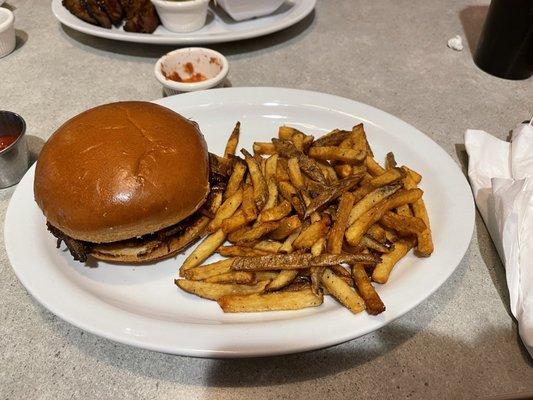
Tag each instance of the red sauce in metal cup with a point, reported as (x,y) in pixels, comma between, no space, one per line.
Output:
(6,141)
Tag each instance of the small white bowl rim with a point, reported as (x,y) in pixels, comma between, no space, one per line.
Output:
(188,87)
(179,5)
(10,19)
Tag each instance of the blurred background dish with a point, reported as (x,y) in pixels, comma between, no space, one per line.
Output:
(7,32)
(241,10)
(219,26)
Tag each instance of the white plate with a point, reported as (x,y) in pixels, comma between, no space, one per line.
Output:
(219,28)
(140,306)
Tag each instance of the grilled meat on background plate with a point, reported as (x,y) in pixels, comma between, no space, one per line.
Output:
(141,16)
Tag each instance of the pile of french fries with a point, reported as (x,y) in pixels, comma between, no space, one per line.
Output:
(306,217)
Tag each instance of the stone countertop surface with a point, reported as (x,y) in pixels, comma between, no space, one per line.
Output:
(462,342)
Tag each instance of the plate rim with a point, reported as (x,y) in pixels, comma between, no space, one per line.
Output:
(332,340)
(81,26)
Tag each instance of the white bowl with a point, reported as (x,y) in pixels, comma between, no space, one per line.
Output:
(7,32)
(240,10)
(182,16)
(211,64)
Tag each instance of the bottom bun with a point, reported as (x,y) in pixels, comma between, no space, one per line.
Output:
(152,249)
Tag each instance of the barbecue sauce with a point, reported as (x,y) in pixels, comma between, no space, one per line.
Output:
(6,141)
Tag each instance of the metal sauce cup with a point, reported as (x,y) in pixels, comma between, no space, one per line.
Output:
(14,158)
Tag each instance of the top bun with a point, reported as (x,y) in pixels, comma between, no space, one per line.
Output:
(122,170)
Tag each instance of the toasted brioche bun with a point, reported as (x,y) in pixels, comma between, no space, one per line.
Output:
(120,171)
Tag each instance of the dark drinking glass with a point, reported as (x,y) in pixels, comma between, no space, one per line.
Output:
(505,47)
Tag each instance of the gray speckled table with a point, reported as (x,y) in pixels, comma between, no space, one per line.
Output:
(460,343)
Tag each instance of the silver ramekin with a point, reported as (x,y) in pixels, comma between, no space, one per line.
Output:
(13,159)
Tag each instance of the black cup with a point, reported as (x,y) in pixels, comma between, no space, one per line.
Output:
(505,47)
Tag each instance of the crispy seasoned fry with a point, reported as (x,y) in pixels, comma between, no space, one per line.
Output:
(286,226)
(415,176)
(358,139)
(377,233)
(295,174)
(206,271)
(270,246)
(240,251)
(284,300)
(264,148)
(272,262)
(284,278)
(234,223)
(308,141)
(248,205)
(213,291)
(240,277)
(286,132)
(390,161)
(286,247)
(316,272)
(226,210)
(336,234)
(339,270)
(333,138)
(233,141)
(374,305)
(207,247)
(371,243)
(331,193)
(289,193)
(327,260)
(370,200)
(265,275)
(235,179)
(348,156)
(282,171)
(329,172)
(356,231)
(373,167)
(271,165)
(311,168)
(388,261)
(343,170)
(391,176)
(219,165)
(275,213)
(258,231)
(424,246)
(404,225)
(345,294)
(258,180)
(312,233)
(298,140)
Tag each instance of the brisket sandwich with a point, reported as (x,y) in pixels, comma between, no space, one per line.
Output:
(126,182)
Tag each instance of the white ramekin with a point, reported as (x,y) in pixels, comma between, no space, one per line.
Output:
(182,16)
(209,63)
(7,32)
(240,10)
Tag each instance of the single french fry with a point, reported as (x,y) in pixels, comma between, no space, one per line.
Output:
(248,205)
(390,161)
(339,270)
(377,233)
(213,291)
(374,304)
(289,193)
(404,225)
(329,194)
(370,200)
(348,156)
(275,213)
(371,243)
(205,249)
(295,174)
(415,176)
(236,236)
(271,165)
(265,275)
(270,246)
(383,270)
(387,178)
(235,179)
(258,231)
(258,180)
(206,271)
(233,141)
(358,138)
(240,251)
(264,148)
(234,223)
(312,233)
(336,234)
(284,278)
(282,170)
(316,272)
(272,262)
(286,226)
(327,260)
(333,138)
(226,210)
(356,231)
(286,132)
(308,141)
(275,301)
(239,277)
(373,167)
(424,247)
(343,170)
(298,140)
(345,294)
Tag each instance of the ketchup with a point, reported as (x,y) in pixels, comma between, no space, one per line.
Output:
(6,141)
(189,69)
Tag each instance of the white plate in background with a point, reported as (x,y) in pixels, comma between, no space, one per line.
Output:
(141,306)
(219,28)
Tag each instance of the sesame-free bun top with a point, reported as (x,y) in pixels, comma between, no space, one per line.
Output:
(122,170)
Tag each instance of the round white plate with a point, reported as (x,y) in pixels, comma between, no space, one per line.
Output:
(140,306)
(219,28)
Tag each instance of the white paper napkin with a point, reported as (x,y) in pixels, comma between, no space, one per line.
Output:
(501,176)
